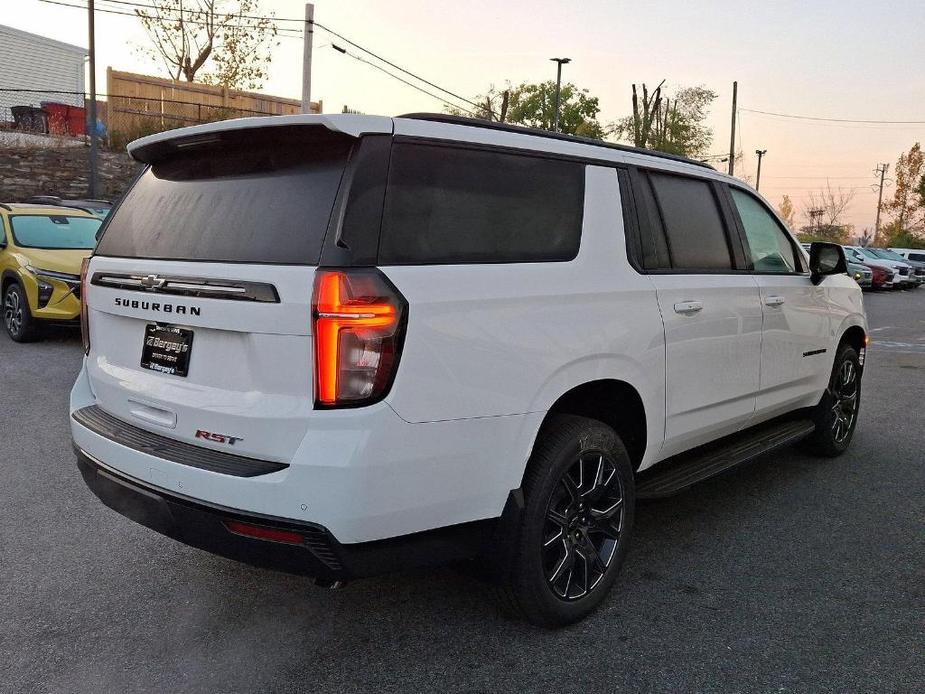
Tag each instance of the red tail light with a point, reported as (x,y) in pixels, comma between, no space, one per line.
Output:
(359,320)
(84,317)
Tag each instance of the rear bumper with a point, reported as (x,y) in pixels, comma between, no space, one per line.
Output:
(202,525)
(365,474)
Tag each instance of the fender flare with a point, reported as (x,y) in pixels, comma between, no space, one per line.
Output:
(611,367)
(9,274)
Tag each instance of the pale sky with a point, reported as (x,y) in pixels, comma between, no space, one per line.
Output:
(834,58)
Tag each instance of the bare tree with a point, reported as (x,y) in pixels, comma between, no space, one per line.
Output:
(823,210)
(832,202)
(232,37)
(648,116)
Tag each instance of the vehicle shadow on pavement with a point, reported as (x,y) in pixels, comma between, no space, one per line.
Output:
(701,569)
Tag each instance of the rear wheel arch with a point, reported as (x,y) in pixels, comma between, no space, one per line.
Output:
(616,403)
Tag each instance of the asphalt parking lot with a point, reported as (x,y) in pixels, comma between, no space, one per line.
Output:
(789,575)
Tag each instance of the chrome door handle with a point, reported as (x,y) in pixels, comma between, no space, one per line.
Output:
(773,301)
(688,307)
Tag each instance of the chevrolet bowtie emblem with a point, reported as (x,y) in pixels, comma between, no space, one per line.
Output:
(153,282)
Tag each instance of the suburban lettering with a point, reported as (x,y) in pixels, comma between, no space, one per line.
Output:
(179,309)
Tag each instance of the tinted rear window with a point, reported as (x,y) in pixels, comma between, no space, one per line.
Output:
(263,202)
(693,223)
(453,205)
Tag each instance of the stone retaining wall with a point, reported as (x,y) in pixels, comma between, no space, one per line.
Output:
(61,171)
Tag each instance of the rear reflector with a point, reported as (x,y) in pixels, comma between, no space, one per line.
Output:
(261,532)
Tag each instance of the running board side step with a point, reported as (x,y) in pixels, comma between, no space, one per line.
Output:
(677,474)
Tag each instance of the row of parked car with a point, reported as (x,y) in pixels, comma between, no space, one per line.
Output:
(885,268)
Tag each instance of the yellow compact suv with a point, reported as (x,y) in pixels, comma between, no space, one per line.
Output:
(41,250)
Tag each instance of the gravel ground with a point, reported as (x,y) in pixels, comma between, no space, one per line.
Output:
(790,575)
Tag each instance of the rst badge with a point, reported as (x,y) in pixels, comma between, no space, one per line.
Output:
(217,438)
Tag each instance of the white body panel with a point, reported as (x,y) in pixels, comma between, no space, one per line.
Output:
(713,352)
(489,349)
(796,341)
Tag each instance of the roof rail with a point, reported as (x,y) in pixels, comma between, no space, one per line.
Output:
(507,127)
(6,207)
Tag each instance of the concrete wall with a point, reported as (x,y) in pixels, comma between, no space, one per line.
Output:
(26,171)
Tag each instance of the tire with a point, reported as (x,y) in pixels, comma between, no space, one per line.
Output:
(564,553)
(836,415)
(17,318)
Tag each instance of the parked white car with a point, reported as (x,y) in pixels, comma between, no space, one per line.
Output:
(903,277)
(914,254)
(341,345)
(916,258)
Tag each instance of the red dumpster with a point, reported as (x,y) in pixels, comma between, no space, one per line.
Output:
(64,119)
(76,120)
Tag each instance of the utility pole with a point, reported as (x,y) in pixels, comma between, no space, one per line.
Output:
(881,169)
(561,62)
(93,143)
(760,153)
(307,57)
(732,130)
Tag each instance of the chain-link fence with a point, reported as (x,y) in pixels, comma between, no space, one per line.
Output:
(120,118)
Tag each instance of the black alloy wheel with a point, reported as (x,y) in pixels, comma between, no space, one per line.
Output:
(836,415)
(558,557)
(584,520)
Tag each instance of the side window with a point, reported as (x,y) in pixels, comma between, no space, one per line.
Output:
(693,223)
(770,248)
(456,205)
(917,256)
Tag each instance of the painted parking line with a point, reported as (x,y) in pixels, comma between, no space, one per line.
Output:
(892,346)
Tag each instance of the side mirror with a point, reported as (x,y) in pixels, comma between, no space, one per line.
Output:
(826,259)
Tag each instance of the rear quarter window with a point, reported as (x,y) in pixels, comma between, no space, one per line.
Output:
(453,205)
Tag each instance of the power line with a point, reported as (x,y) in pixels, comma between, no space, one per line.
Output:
(243,16)
(298,34)
(330,31)
(835,120)
(398,67)
(814,178)
(189,21)
(400,79)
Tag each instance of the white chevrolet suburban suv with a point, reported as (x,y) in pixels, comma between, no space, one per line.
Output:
(344,345)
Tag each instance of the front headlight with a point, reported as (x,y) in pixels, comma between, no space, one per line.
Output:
(52,274)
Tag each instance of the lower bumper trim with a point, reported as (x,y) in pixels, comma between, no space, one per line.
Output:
(202,524)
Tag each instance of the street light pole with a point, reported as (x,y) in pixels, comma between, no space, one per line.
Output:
(760,153)
(560,62)
(92,119)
